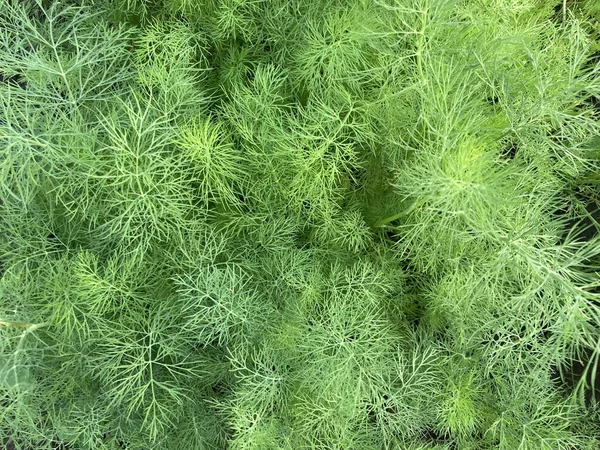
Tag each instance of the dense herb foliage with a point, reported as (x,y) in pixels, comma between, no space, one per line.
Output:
(299,224)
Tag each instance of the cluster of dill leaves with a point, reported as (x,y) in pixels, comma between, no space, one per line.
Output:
(299,224)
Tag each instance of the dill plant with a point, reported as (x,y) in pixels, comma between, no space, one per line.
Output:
(277,224)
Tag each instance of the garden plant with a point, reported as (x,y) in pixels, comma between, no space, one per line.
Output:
(300,224)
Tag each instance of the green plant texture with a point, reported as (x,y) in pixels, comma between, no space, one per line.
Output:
(300,224)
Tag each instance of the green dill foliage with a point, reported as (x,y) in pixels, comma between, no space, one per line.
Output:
(299,224)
